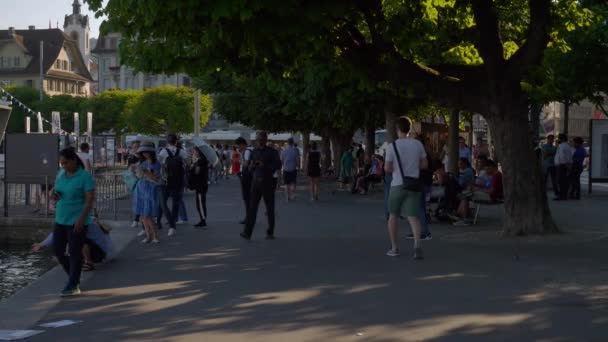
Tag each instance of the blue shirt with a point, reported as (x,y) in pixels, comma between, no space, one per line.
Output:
(465,152)
(72,190)
(466,177)
(290,158)
(578,157)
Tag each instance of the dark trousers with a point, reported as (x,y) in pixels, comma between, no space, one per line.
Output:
(575,182)
(201,204)
(563,180)
(551,172)
(66,236)
(260,188)
(176,195)
(246,191)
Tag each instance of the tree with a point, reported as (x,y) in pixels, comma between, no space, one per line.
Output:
(163,110)
(29,97)
(471,55)
(109,109)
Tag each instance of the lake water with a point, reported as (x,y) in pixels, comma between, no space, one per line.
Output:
(19,267)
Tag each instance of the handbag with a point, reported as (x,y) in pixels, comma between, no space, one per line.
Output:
(130,180)
(409,183)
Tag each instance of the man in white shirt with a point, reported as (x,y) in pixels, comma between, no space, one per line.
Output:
(563,162)
(172,189)
(404,159)
(85,157)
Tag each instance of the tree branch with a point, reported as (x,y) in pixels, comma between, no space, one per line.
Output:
(490,42)
(531,52)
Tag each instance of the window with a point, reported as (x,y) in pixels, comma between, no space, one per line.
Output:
(106,64)
(58,64)
(101,43)
(72,67)
(86,41)
(17,62)
(74,35)
(1,62)
(65,65)
(29,83)
(113,43)
(8,61)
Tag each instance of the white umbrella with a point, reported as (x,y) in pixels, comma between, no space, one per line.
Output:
(207,150)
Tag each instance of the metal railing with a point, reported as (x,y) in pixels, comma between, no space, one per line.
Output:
(113,199)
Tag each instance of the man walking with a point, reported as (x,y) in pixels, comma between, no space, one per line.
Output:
(265,161)
(290,158)
(173,160)
(404,159)
(563,163)
(245,174)
(548,151)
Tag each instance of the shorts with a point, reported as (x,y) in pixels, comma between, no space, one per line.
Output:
(290,177)
(97,254)
(403,202)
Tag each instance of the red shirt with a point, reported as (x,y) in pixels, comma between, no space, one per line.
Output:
(496,192)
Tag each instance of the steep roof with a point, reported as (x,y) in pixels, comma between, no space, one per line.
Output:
(54,40)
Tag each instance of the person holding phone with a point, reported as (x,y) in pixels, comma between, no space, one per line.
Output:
(75,195)
(147,204)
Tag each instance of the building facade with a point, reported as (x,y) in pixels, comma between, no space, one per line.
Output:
(112,74)
(63,68)
(579,116)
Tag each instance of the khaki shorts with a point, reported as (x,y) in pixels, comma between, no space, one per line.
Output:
(403,202)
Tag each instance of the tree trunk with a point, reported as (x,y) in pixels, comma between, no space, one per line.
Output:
(567,105)
(453,149)
(535,110)
(526,208)
(391,126)
(325,152)
(340,142)
(305,149)
(370,142)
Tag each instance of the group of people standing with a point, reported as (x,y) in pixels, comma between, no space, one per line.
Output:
(163,175)
(564,164)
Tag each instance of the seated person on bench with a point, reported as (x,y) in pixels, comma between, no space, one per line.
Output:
(492,193)
(374,175)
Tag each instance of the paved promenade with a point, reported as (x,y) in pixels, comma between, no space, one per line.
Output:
(326,278)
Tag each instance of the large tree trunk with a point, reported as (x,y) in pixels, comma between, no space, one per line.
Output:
(535,110)
(391,126)
(340,142)
(526,207)
(305,149)
(370,142)
(325,152)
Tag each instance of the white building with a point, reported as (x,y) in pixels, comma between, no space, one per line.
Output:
(112,74)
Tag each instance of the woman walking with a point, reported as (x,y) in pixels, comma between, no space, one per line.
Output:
(147,203)
(314,171)
(75,194)
(236,161)
(198,180)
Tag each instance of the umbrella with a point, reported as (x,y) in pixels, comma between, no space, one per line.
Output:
(207,150)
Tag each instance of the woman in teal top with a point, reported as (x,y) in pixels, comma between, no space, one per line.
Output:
(346,167)
(75,195)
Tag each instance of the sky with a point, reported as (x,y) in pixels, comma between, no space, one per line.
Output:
(22,13)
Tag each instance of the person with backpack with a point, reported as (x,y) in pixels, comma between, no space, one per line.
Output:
(173,161)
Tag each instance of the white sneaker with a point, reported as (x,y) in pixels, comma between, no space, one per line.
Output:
(181,222)
(155,241)
(146,240)
(141,233)
(134,224)
(393,253)
(171,232)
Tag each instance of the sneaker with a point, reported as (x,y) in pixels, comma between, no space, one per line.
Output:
(453,217)
(141,233)
(134,224)
(393,253)
(181,222)
(68,292)
(410,236)
(201,224)
(418,255)
(171,232)
(462,223)
(426,237)
(146,240)
(155,241)
(245,236)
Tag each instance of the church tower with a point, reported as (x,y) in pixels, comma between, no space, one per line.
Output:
(77,27)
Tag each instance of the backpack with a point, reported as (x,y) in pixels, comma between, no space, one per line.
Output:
(174,169)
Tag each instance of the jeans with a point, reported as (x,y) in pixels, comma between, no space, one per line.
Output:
(261,188)
(422,216)
(183,214)
(164,193)
(66,236)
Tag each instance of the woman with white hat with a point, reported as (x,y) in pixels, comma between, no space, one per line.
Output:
(147,202)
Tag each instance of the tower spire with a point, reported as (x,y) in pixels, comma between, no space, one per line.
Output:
(76,7)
